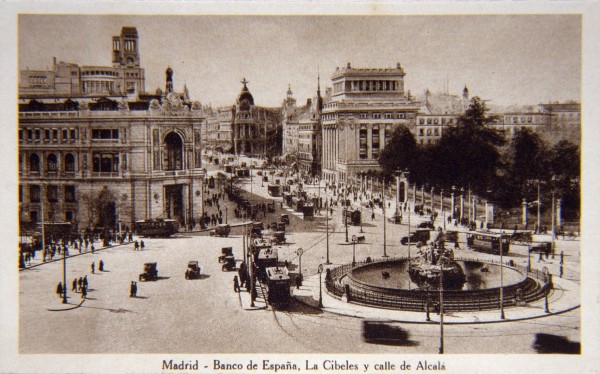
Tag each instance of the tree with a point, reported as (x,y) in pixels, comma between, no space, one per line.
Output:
(565,166)
(400,153)
(468,154)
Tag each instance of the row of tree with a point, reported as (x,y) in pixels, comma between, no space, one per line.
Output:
(472,155)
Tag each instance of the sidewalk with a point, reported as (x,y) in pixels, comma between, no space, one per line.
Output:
(563,298)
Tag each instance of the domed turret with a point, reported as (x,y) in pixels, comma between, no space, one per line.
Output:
(245,99)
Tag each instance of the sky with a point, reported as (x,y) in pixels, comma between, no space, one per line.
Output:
(507,59)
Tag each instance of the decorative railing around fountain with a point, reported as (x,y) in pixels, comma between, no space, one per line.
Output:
(534,286)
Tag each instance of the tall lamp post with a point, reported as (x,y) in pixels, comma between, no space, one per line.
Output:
(226,210)
(441,348)
(501,280)
(327,234)
(320,270)
(299,252)
(354,240)
(64,300)
(384,218)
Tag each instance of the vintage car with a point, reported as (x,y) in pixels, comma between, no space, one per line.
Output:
(193,270)
(419,236)
(222,230)
(150,272)
(278,237)
(225,251)
(228,263)
(285,219)
(426,225)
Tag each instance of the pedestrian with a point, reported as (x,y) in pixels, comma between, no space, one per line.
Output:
(85,282)
(93,266)
(131,289)
(373,216)
(101,266)
(142,245)
(80,283)
(561,257)
(136,246)
(74,285)
(540,257)
(456,246)
(83,293)
(134,289)
(298,282)
(59,289)
(92,247)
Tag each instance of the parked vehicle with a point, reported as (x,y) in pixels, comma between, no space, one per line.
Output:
(419,236)
(222,230)
(278,237)
(358,239)
(228,263)
(426,225)
(273,189)
(193,270)
(150,272)
(225,251)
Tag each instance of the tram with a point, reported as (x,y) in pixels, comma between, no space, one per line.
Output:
(156,227)
(488,242)
(265,256)
(277,281)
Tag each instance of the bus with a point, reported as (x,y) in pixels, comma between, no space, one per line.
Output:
(277,281)
(163,228)
(488,242)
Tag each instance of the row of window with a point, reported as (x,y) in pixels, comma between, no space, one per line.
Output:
(52,193)
(100,72)
(429,132)
(436,121)
(105,134)
(51,163)
(48,134)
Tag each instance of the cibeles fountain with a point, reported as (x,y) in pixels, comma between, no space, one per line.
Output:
(410,284)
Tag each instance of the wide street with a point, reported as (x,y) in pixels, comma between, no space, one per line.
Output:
(175,315)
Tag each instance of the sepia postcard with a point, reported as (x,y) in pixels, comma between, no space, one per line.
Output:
(313,187)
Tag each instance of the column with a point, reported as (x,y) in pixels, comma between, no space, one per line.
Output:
(474,218)
(524,203)
(452,204)
(462,205)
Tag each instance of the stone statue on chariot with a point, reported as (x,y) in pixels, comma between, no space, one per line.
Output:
(434,260)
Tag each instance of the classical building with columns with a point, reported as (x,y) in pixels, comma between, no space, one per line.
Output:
(365,106)
(98,158)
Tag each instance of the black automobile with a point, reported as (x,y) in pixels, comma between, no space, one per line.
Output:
(419,236)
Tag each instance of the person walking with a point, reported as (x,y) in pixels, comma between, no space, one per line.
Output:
(80,283)
(142,245)
(134,289)
(59,289)
(74,285)
(131,289)
(93,266)
(85,282)
(83,293)
(101,266)
(136,246)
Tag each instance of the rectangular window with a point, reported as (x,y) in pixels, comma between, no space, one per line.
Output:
(73,134)
(362,150)
(70,194)
(65,134)
(38,134)
(375,144)
(436,132)
(54,134)
(421,132)
(34,193)
(105,163)
(47,134)
(52,194)
(421,121)
(105,134)
(69,215)
(30,134)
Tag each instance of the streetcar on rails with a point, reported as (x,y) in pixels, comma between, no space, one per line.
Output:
(488,242)
(162,228)
(265,256)
(277,282)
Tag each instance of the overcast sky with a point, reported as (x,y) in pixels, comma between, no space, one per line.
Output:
(524,59)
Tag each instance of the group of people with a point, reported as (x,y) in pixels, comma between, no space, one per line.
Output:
(139,246)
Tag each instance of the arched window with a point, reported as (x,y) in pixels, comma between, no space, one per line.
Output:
(174,152)
(52,162)
(34,163)
(69,162)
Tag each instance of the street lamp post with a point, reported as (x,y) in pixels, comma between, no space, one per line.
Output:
(384,218)
(539,208)
(441,348)
(226,210)
(299,252)
(354,240)
(432,198)
(64,300)
(327,233)
(501,280)
(320,270)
